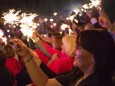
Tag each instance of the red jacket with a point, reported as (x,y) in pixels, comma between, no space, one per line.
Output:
(61,65)
(13,65)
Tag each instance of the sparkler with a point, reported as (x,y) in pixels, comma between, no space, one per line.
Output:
(12,17)
(76,11)
(71,18)
(4,39)
(95,3)
(1,33)
(27,24)
(76,20)
(85,6)
(64,26)
(70,31)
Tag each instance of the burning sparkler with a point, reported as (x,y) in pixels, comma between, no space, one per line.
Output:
(85,6)
(27,24)
(95,3)
(1,33)
(64,26)
(12,17)
(4,39)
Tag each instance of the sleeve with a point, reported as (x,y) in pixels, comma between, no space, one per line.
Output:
(47,71)
(60,67)
(14,66)
(63,79)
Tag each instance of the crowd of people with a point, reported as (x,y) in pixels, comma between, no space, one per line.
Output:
(82,58)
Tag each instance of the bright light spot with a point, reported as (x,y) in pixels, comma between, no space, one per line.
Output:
(55,14)
(85,6)
(51,20)
(95,2)
(64,26)
(46,19)
(54,24)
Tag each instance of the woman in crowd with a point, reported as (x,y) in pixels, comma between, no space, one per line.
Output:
(46,48)
(59,58)
(6,77)
(11,63)
(95,60)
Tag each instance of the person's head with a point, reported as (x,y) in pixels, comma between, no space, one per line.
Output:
(96,48)
(68,44)
(8,51)
(57,41)
(41,19)
(89,26)
(8,79)
(2,58)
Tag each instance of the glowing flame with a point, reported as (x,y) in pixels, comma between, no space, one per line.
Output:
(95,2)
(71,17)
(55,14)
(70,31)
(85,6)
(64,26)
(27,24)
(4,39)
(12,17)
(1,33)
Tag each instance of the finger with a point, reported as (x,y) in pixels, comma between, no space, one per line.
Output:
(101,21)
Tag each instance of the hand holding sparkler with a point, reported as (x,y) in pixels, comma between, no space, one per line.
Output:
(20,48)
(105,23)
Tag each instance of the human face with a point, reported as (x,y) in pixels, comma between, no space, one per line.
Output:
(83,58)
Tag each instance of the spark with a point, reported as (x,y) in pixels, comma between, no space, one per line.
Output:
(12,17)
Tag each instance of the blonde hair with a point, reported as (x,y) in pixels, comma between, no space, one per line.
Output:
(69,41)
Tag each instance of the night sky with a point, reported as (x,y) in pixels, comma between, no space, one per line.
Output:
(47,7)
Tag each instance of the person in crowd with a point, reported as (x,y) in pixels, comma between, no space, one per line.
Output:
(89,26)
(105,23)
(11,63)
(57,41)
(6,76)
(95,62)
(1,43)
(93,17)
(58,58)
(45,51)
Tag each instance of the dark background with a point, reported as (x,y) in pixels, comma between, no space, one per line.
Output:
(47,7)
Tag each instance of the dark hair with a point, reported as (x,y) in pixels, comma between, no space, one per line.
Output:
(58,40)
(102,46)
(8,51)
(2,59)
(7,78)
